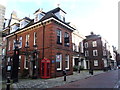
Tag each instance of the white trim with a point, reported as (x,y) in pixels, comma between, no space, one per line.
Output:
(96,63)
(68,57)
(60,61)
(40,23)
(94,52)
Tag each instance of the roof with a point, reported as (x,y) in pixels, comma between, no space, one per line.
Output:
(38,11)
(26,18)
(56,10)
(93,36)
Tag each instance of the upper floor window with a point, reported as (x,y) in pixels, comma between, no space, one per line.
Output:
(86,44)
(59,61)
(13,44)
(35,38)
(94,43)
(20,41)
(9,45)
(86,53)
(27,40)
(104,52)
(67,61)
(95,62)
(81,47)
(66,39)
(95,53)
(59,37)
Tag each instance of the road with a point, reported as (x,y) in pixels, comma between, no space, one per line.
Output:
(105,80)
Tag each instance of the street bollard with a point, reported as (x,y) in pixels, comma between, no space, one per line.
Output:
(91,72)
(8,83)
(64,73)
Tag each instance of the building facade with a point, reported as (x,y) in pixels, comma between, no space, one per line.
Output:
(2,15)
(96,51)
(78,50)
(46,37)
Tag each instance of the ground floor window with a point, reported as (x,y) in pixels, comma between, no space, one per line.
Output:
(59,61)
(95,62)
(67,61)
(26,63)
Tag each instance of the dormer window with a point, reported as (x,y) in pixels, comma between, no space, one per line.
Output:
(61,15)
(38,15)
(24,22)
(14,27)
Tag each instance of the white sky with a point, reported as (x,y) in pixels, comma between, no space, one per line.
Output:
(99,16)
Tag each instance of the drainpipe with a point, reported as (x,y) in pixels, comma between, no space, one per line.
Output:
(43,24)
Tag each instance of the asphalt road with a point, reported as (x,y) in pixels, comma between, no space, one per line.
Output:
(105,80)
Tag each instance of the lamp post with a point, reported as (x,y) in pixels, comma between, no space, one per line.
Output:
(15,61)
(35,64)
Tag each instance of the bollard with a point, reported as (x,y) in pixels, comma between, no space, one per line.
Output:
(8,83)
(64,73)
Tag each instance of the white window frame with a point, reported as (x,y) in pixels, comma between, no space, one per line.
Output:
(94,52)
(35,38)
(86,44)
(9,45)
(20,40)
(104,53)
(25,63)
(94,43)
(60,58)
(96,63)
(59,34)
(27,39)
(67,58)
(13,44)
(86,53)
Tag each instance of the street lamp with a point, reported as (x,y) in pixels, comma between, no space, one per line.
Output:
(15,61)
(34,61)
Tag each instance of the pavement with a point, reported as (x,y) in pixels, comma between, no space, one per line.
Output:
(53,82)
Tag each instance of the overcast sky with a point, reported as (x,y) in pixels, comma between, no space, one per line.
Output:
(99,16)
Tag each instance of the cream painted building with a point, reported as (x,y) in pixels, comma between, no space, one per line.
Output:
(78,52)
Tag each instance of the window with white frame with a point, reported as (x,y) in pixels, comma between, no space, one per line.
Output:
(95,53)
(86,44)
(27,40)
(26,63)
(20,40)
(86,53)
(59,61)
(9,45)
(94,43)
(104,52)
(59,37)
(95,62)
(35,38)
(66,39)
(13,44)
(67,61)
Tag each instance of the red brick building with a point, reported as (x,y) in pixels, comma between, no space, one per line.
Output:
(96,51)
(52,37)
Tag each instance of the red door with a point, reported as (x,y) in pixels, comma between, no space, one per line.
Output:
(45,68)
